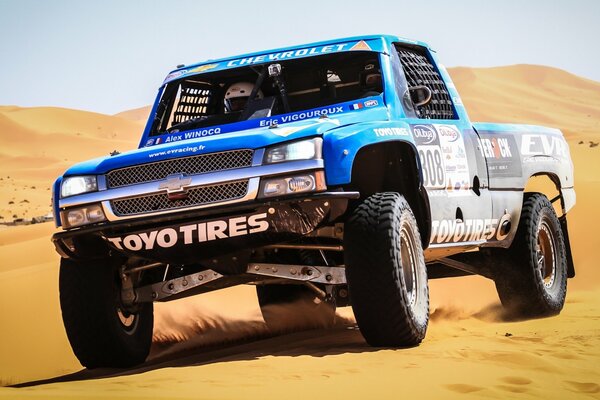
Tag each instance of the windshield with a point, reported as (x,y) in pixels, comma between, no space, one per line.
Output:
(266,90)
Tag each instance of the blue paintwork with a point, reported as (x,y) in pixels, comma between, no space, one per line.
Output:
(348,130)
(345,131)
(245,137)
(515,128)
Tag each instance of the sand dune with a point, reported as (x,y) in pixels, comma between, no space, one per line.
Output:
(217,346)
(531,94)
(139,115)
(40,143)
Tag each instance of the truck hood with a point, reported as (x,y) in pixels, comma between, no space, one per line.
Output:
(245,139)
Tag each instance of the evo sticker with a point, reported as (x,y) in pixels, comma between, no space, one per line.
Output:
(544,145)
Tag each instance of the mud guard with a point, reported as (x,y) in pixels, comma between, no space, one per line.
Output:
(570,264)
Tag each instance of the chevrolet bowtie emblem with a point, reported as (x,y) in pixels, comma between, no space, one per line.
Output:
(175,185)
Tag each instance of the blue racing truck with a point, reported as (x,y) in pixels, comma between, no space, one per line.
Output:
(337,173)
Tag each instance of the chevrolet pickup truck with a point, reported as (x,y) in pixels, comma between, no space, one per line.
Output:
(337,173)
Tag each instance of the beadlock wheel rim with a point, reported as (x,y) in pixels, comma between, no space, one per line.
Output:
(409,261)
(128,321)
(546,254)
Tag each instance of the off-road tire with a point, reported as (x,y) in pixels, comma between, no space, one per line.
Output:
(532,278)
(386,272)
(101,333)
(281,304)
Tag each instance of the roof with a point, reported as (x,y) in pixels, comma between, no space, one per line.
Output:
(378,43)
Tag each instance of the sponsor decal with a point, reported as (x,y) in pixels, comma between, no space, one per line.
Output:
(448,133)
(382,132)
(301,115)
(173,75)
(201,68)
(273,57)
(187,149)
(192,234)
(501,153)
(371,103)
(362,45)
(430,154)
(540,159)
(469,230)
(424,134)
(193,134)
(149,142)
(457,177)
(443,156)
(285,132)
(255,123)
(356,106)
(544,145)
(496,147)
(312,51)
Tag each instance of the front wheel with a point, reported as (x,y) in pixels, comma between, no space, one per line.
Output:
(101,331)
(386,274)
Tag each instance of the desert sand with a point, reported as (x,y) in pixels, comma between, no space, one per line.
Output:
(217,346)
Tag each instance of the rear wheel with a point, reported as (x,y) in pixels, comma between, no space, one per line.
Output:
(289,306)
(386,274)
(533,281)
(102,332)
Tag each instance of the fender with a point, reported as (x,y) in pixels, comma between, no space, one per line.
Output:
(340,146)
(528,150)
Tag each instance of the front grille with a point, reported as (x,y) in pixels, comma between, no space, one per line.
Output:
(187,165)
(197,196)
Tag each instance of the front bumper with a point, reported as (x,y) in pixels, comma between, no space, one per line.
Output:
(191,236)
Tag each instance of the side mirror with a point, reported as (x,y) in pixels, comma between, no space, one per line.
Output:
(420,95)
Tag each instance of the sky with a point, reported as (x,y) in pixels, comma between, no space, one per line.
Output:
(112,55)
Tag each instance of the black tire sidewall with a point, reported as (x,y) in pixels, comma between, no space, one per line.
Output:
(89,297)
(519,282)
(419,313)
(377,286)
(554,296)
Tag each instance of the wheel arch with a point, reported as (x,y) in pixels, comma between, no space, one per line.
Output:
(550,185)
(393,166)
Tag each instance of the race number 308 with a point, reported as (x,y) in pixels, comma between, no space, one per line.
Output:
(432,164)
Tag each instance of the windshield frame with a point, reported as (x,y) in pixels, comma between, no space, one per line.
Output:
(167,96)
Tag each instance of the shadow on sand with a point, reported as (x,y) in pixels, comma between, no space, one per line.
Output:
(317,343)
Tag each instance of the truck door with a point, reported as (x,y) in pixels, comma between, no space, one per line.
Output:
(453,167)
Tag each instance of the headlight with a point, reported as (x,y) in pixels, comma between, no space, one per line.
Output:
(74,185)
(285,185)
(301,150)
(80,216)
